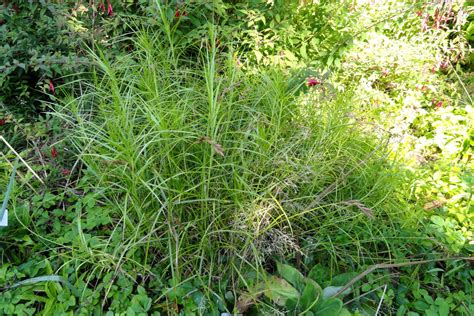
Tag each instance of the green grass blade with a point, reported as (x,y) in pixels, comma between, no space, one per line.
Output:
(46,278)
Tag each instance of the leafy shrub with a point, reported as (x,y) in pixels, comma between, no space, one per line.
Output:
(415,91)
(288,33)
(38,48)
(283,33)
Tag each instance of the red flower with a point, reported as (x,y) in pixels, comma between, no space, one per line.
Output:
(311,82)
(54,152)
(419,13)
(101,7)
(65,171)
(439,104)
(444,64)
(51,86)
(110,10)
(178,13)
(3,122)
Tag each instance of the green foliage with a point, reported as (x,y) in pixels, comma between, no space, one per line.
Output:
(265,33)
(213,144)
(56,220)
(37,46)
(417,93)
(442,288)
(283,33)
(164,125)
(302,295)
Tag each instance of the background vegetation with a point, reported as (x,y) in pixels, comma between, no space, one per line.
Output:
(241,157)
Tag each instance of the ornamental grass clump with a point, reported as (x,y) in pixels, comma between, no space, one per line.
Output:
(210,171)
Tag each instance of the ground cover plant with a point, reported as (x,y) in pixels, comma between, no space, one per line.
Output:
(248,158)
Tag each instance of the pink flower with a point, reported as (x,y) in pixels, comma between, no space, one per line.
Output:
(311,82)
(51,86)
(110,10)
(101,7)
(439,104)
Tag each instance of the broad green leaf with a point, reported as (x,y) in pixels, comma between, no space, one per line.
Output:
(332,290)
(279,291)
(443,306)
(258,55)
(303,51)
(315,43)
(289,55)
(344,312)
(329,307)
(343,279)
(291,304)
(421,305)
(311,294)
(291,275)
(330,60)
(318,273)
(401,310)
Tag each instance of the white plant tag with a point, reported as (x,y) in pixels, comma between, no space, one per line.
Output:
(4,220)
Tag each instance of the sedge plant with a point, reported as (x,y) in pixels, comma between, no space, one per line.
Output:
(210,172)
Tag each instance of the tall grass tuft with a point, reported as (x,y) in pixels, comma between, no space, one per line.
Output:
(211,172)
